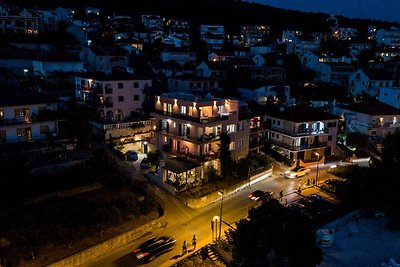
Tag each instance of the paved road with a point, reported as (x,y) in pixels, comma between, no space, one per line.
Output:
(183,222)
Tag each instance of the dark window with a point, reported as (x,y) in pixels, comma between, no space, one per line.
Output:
(120,85)
(135,85)
(136,97)
(278,122)
(121,98)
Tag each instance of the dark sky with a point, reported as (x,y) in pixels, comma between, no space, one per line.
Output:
(373,9)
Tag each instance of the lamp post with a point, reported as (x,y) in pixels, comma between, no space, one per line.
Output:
(317,176)
(220,214)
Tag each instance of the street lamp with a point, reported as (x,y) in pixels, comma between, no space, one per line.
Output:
(220,214)
(317,176)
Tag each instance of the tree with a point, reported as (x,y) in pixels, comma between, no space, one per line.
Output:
(357,140)
(273,234)
(225,156)
(155,158)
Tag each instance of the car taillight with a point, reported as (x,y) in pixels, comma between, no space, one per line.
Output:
(136,250)
(141,255)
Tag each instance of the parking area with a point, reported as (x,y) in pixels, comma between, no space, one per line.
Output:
(317,205)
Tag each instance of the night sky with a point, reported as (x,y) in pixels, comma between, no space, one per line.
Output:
(373,9)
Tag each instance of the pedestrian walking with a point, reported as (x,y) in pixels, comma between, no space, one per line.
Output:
(285,201)
(194,241)
(280,195)
(308,182)
(299,189)
(184,248)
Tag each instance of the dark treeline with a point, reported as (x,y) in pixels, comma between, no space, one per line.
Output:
(231,13)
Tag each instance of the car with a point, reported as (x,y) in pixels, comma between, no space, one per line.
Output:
(260,195)
(145,164)
(297,172)
(132,155)
(154,247)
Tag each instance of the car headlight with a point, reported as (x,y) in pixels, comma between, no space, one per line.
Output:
(287,172)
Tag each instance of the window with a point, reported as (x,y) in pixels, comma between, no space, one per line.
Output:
(273,121)
(20,112)
(169,108)
(183,110)
(120,85)
(135,85)
(44,129)
(165,107)
(1,115)
(278,122)
(329,137)
(230,128)
(121,98)
(21,132)
(136,97)
(273,135)
(277,136)
(232,146)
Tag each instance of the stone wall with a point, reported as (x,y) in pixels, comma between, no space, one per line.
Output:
(108,245)
(196,203)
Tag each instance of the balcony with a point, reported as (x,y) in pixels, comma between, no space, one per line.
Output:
(196,158)
(384,125)
(301,147)
(193,119)
(304,132)
(45,115)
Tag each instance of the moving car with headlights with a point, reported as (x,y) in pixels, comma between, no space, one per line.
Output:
(154,247)
(297,172)
(259,195)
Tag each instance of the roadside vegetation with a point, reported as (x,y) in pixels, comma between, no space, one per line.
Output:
(67,207)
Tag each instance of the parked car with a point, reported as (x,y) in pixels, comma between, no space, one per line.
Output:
(145,164)
(297,172)
(154,247)
(259,195)
(132,155)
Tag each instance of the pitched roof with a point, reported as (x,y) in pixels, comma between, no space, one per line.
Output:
(220,65)
(115,76)
(301,113)
(164,65)
(108,51)
(379,74)
(373,107)
(17,97)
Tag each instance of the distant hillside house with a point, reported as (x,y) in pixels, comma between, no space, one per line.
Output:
(26,116)
(57,63)
(333,72)
(115,97)
(192,84)
(18,21)
(390,96)
(104,58)
(370,81)
(373,118)
(262,92)
(299,131)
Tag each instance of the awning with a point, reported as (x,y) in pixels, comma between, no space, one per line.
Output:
(179,165)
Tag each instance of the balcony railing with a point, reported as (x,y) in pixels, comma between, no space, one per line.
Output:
(301,147)
(196,158)
(384,125)
(47,115)
(193,119)
(299,132)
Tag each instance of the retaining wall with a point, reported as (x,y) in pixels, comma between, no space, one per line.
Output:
(108,245)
